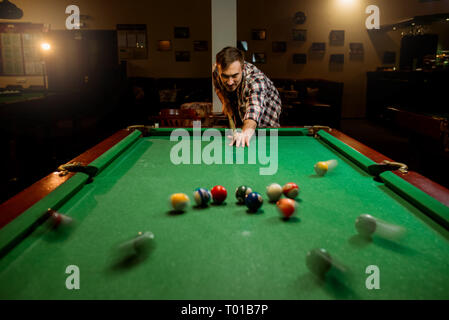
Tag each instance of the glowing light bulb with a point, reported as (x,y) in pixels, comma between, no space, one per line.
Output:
(346,2)
(45,46)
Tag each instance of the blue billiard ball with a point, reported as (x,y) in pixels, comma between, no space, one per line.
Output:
(202,196)
(253,201)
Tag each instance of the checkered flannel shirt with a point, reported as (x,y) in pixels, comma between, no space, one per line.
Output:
(257,97)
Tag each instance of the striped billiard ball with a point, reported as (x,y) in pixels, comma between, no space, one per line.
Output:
(202,196)
(179,201)
(290,190)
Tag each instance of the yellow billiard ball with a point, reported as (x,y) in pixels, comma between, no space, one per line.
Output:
(179,201)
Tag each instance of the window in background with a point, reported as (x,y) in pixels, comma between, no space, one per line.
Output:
(20,52)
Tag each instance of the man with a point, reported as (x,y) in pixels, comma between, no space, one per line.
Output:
(247,95)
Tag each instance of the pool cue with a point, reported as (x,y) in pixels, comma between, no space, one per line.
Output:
(231,123)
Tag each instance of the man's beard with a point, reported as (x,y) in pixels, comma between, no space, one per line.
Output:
(233,87)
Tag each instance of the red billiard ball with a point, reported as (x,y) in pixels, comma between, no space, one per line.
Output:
(286,207)
(219,194)
(291,190)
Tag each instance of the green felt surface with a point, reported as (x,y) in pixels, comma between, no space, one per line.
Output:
(224,252)
(20,97)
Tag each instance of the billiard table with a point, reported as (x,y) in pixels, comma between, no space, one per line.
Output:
(224,251)
(21,97)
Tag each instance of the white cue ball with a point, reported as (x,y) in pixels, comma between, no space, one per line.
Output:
(274,192)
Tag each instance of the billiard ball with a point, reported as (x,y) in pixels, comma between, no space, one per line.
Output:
(286,207)
(365,225)
(241,192)
(179,201)
(136,246)
(274,192)
(290,190)
(253,201)
(219,194)
(57,219)
(322,167)
(319,262)
(202,196)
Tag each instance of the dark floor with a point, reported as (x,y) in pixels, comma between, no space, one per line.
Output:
(419,154)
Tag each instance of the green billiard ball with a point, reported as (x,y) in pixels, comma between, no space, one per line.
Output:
(319,262)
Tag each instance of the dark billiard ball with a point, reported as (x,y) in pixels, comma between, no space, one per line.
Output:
(253,201)
(241,192)
(202,196)
(319,262)
(365,225)
(219,194)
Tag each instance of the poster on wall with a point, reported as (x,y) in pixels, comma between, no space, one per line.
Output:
(356,49)
(299,34)
(132,41)
(164,45)
(337,37)
(259,34)
(259,57)
(242,45)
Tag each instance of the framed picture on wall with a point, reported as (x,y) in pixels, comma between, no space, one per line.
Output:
(337,58)
(299,34)
(299,17)
(337,37)
(318,47)
(259,57)
(242,45)
(131,41)
(182,32)
(279,46)
(164,45)
(182,56)
(200,45)
(356,49)
(299,58)
(259,34)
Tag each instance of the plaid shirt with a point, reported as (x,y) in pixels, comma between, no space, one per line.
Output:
(256,98)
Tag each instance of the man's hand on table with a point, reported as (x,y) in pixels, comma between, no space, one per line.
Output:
(242,139)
